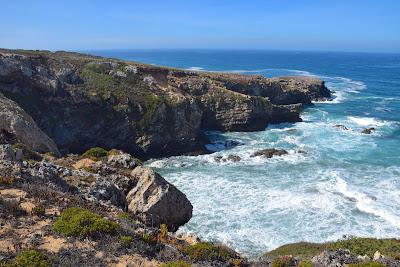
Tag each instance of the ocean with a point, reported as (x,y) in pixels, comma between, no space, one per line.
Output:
(347,183)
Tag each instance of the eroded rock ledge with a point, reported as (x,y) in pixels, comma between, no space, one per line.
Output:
(82,101)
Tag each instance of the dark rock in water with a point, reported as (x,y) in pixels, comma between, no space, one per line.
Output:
(342,127)
(233,158)
(334,258)
(270,152)
(230,157)
(300,151)
(218,158)
(368,130)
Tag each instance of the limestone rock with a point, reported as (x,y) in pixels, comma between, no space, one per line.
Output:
(106,191)
(334,258)
(15,121)
(123,160)
(8,153)
(156,201)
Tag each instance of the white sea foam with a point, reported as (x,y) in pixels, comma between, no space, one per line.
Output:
(365,121)
(365,203)
(196,69)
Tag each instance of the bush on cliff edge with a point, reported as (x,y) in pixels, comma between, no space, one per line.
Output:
(83,222)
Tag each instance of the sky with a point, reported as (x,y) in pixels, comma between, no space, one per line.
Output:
(316,25)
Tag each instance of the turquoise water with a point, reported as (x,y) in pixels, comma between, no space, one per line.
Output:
(346,183)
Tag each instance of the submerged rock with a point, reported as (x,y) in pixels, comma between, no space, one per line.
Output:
(156,201)
(342,127)
(368,130)
(230,157)
(270,152)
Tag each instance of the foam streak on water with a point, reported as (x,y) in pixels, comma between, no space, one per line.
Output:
(346,182)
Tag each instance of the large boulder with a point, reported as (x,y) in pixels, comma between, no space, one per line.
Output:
(14,121)
(156,201)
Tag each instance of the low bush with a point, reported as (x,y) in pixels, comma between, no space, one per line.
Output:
(285,261)
(208,252)
(95,153)
(305,264)
(178,263)
(39,210)
(6,180)
(368,246)
(149,239)
(359,246)
(30,258)
(126,240)
(83,222)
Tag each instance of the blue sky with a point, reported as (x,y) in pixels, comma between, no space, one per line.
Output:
(342,25)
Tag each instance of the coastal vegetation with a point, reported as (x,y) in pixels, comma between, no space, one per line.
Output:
(83,222)
(357,245)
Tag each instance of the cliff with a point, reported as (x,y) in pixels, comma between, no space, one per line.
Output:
(81,101)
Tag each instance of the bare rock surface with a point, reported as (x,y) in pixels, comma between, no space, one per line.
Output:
(157,201)
(14,121)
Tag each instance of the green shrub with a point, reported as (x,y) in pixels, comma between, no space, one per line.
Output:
(126,240)
(305,264)
(178,263)
(303,250)
(95,153)
(359,246)
(149,239)
(31,258)
(151,102)
(367,264)
(39,210)
(83,222)
(6,180)
(368,246)
(207,251)
(285,261)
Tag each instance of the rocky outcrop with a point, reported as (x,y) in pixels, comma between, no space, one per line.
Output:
(156,201)
(82,101)
(16,126)
(334,258)
(269,153)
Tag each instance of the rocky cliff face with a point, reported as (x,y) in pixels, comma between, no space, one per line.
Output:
(81,101)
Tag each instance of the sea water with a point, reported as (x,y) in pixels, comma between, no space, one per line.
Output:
(346,182)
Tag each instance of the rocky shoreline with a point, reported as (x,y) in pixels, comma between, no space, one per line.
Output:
(73,131)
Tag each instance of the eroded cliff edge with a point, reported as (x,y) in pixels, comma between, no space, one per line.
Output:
(81,101)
